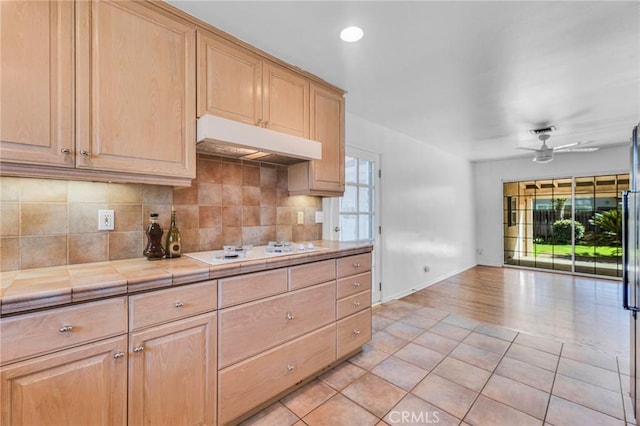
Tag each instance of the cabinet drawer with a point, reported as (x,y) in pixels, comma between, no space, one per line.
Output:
(353,332)
(254,381)
(41,332)
(352,304)
(354,284)
(312,273)
(167,305)
(246,288)
(254,327)
(353,265)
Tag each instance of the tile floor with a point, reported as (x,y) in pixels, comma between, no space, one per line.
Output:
(425,367)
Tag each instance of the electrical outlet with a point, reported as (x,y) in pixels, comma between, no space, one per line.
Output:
(106,220)
(300,218)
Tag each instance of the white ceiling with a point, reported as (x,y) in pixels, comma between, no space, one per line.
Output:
(469,77)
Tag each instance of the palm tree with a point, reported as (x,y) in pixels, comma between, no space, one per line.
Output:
(608,228)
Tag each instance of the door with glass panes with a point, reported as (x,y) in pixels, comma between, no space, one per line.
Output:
(354,217)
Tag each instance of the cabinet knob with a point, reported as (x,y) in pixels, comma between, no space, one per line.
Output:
(290,316)
(179,304)
(259,122)
(138,349)
(84,152)
(290,367)
(118,354)
(65,151)
(356,284)
(265,124)
(356,304)
(65,329)
(356,265)
(356,332)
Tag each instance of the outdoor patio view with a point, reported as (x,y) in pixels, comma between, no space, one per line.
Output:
(567,224)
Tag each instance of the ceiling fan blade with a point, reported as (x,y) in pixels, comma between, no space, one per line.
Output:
(577,149)
(556,148)
(526,148)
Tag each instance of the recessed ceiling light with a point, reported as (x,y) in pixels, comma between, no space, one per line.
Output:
(351,34)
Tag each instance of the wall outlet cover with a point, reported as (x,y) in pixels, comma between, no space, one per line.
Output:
(319,217)
(106,220)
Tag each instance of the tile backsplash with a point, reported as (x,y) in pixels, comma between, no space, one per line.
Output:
(45,222)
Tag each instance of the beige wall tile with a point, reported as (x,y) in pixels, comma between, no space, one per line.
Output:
(127,217)
(268,216)
(9,254)
(283,178)
(268,196)
(9,219)
(87,192)
(43,219)
(231,195)
(188,217)
(284,216)
(208,169)
(9,188)
(164,214)
(124,193)
(231,216)
(231,173)
(190,240)
(250,175)
(188,195)
(210,239)
(157,194)
(126,245)
(232,235)
(250,196)
(258,235)
(85,248)
(284,233)
(250,216)
(268,176)
(83,218)
(42,251)
(210,217)
(209,194)
(43,190)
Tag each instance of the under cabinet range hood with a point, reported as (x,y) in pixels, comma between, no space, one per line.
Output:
(228,138)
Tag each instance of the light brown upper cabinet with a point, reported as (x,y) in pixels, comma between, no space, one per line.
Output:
(236,83)
(135,89)
(97,90)
(323,177)
(36,83)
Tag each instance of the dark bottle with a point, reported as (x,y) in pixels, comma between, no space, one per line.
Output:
(173,244)
(154,249)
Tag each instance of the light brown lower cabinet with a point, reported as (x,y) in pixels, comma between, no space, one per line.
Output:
(86,385)
(353,332)
(172,373)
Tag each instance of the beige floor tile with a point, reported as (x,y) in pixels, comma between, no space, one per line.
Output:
(342,375)
(541,343)
(450,331)
(476,356)
(386,342)
(378,322)
(308,398)
(533,356)
(517,395)
(436,342)
(399,372)
(590,374)
(486,411)
(369,357)
(420,356)
(413,411)
(463,322)
(590,356)
(566,413)
(591,396)
(495,331)
(274,415)
(404,331)
(432,313)
(340,411)
(464,374)
(491,344)
(382,423)
(528,374)
(375,394)
(393,311)
(445,394)
(420,321)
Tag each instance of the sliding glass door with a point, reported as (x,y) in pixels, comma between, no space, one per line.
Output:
(565,224)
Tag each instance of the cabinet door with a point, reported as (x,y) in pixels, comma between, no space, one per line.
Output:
(36,82)
(327,127)
(285,101)
(135,68)
(172,373)
(80,386)
(229,81)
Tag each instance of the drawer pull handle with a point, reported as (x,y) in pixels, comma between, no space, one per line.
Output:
(290,367)
(65,151)
(84,152)
(118,354)
(356,285)
(356,304)
(138,349)
(65,329)
(290,316)
(356,265)
(179,304)
(356,332)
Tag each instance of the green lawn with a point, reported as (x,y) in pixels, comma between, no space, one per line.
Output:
(565,250)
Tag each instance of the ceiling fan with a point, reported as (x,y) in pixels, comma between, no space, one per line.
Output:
(544,154)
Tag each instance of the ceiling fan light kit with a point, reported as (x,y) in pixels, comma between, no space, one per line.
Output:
(544,154)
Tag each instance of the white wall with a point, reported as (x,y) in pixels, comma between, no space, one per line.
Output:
(489,175)
(427,209)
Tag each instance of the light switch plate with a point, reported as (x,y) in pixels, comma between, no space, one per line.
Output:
(300,218)
(319,217)
(106,220)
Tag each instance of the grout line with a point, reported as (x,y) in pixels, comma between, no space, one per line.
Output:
(553,383)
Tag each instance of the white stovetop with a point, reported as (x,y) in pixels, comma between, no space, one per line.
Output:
(216,257)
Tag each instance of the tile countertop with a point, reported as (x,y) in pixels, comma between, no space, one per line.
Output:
(31,289)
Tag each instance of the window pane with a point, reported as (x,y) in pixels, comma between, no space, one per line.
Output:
(365,172)
(366,227)
(349,201)
(351,170)
(364,200)
(349,227)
